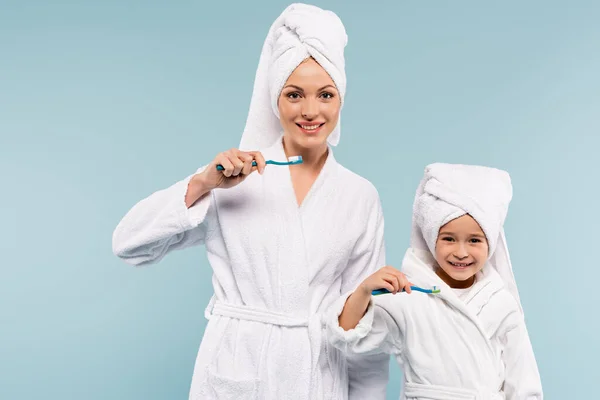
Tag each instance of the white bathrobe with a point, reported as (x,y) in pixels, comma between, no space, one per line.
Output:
(475,348)
(277,268)
(450,348)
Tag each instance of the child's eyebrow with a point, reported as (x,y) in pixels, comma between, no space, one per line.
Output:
(479,235)
(446,233)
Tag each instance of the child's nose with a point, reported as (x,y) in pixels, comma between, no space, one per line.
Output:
(461,252)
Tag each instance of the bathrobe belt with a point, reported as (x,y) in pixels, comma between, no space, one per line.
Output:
(314,324)
(437,392)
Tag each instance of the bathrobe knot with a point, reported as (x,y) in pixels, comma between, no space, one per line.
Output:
(437,392)
(314,324)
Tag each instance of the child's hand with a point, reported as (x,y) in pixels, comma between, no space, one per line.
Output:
(386,278)
(356,305)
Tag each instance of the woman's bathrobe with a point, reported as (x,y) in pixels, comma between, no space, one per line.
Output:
(277,267)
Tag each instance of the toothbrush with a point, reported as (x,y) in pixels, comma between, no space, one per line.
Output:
(433,290)
(291,161)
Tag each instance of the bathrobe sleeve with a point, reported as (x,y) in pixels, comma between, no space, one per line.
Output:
(368,373)
(522,379)
(378,332)
(367,348)
(161,223)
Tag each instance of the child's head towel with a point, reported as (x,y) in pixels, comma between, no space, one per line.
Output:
(448,191)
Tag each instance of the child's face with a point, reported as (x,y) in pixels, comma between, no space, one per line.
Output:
(461,251)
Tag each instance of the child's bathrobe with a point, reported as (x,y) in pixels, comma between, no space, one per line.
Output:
(476,347)
(449,348)
(277,267)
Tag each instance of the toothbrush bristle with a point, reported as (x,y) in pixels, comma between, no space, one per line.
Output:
(295,159)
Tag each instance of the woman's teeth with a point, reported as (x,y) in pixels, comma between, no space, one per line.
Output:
(309,127)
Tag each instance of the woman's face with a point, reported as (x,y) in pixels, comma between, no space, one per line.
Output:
(309,107)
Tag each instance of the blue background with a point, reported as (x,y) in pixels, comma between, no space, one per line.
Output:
(102,103)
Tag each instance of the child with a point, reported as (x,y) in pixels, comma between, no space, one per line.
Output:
(469,341)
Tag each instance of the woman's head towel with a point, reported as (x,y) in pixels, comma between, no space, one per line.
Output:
(301,31)
(448,191)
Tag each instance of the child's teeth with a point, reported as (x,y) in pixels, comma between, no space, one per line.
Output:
(310,127)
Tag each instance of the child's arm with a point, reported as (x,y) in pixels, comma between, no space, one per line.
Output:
(357,326)
(522,379)
(354,309)
(356,305)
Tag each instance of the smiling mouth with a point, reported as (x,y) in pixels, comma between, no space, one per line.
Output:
(460,265)
(310,128)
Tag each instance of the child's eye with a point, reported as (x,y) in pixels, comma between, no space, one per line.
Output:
(474,240)
(448,239)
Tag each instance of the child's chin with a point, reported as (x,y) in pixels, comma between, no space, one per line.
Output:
(461,276)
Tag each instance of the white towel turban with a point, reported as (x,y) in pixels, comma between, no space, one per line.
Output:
(448,191)
(301,31)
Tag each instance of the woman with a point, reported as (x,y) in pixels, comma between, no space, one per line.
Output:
(284,242)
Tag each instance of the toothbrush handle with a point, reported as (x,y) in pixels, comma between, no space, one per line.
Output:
(379,291)
(220,167)
(415,288)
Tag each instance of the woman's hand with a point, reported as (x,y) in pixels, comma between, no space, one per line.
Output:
(237,165)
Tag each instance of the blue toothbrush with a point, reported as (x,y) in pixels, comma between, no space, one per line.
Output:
(291,161)
(433,290)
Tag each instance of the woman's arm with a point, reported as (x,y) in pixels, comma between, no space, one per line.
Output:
(179,217)
(163,222)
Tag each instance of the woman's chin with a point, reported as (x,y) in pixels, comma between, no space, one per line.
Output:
(310,142)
